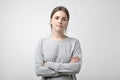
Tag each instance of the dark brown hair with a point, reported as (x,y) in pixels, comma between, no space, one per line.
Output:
(60,8)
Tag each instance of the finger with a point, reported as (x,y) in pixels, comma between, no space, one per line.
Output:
(75,57)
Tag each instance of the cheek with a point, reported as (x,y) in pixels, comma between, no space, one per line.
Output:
(52,21)
(66,23)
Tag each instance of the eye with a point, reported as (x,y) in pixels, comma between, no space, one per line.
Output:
(64,19)
(57,18)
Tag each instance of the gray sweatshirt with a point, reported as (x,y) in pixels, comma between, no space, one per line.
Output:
(58,54)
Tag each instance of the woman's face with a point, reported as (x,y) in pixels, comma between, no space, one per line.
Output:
(59,21)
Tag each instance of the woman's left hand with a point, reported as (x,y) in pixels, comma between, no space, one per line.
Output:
(75,59)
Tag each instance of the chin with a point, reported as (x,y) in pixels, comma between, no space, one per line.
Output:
(60,30)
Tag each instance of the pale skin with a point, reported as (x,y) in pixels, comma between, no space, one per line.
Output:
(59,22)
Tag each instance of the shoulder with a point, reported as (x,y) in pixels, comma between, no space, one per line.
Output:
(72,39)
(75,43)
(42,40)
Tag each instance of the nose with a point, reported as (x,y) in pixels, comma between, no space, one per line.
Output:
(60,21)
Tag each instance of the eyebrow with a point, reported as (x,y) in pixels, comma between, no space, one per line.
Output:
(62,17)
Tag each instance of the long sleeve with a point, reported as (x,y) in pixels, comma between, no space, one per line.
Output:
(39,68)
(68,68)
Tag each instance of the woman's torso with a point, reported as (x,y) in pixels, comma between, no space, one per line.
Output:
(58,51)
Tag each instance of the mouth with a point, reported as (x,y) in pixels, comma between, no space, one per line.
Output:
(59,25)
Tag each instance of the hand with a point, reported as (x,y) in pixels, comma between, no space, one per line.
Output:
(74,59)
(45,63)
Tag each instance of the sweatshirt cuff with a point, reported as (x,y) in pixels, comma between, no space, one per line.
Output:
(53,65)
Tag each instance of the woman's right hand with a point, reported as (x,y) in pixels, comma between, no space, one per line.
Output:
(74,59)
(45,63)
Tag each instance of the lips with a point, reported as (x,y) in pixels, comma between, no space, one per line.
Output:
(59,25)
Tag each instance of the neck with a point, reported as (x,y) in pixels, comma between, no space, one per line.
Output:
(58,36)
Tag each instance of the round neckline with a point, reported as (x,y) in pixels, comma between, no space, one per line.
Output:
(59,40)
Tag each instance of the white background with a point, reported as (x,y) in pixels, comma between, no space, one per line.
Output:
(96,23)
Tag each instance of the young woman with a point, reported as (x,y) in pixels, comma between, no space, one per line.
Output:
(58,57)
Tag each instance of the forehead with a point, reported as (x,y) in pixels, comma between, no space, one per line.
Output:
(60,13)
